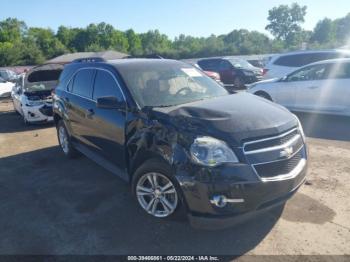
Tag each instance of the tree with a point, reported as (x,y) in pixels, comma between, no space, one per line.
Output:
(135,44)
(324,32)
(12,30)
(153,42)
(45,39)
(343,30)
(285,20)
(66,36)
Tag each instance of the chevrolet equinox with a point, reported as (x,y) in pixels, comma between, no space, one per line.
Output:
(180,139)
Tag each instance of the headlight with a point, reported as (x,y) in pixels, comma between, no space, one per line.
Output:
(248,73)
(300,127)
(209,151)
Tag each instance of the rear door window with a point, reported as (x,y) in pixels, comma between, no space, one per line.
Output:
(106,85)
(315,72)
(82,84)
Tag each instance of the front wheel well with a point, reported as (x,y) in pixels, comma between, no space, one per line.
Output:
(56,118)
(141,158)
(263,94)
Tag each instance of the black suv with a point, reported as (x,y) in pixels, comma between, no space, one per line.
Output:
(180,139)
(234,72)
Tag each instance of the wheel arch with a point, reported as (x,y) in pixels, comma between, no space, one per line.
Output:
(263,94)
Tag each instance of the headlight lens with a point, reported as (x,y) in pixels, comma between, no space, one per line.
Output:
(300,127)
(209,151)
(248,73)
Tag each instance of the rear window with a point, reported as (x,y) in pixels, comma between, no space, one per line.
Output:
(299,60)
(44,75)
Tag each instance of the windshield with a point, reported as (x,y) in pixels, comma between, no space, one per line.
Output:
(240,63)
(162,84)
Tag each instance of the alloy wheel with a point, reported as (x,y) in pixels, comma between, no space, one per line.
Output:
(157,194)
(63,138)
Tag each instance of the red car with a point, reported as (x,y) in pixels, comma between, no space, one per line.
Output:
(211,74)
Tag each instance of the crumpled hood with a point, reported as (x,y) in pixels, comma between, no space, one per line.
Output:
(232,118)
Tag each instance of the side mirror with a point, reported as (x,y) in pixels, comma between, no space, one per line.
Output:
(110,102)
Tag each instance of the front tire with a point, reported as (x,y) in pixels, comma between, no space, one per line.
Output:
(65,140)
(156,190)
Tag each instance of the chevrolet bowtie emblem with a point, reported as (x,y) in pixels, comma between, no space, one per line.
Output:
(287,152)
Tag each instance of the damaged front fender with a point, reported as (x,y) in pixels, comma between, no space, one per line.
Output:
(149,139)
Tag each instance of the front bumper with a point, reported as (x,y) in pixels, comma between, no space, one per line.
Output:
(239,183)
(38,114)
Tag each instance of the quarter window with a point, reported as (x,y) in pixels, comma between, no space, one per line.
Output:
(105,85)
(83,83)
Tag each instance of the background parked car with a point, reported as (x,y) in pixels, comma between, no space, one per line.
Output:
(234,72)
(32,95)
(257,63)
(215,76)
(321,87)
(5,87)
(8,75)
(283,64)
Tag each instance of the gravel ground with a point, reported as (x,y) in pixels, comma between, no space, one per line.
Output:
(51,205)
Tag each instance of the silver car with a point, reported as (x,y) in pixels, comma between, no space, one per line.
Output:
(321,87)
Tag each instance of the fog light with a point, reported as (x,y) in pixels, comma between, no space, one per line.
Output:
(221,201)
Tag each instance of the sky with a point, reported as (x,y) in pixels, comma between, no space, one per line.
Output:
(175,17)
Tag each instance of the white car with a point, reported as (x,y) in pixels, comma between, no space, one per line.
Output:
(5,88)
(32,95)
(283,64)
(321,87)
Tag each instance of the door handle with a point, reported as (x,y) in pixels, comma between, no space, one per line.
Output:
(90,113)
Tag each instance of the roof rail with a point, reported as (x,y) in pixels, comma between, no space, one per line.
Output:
(89,60)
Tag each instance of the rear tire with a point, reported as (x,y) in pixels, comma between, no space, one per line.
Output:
(263,95)
(64,140)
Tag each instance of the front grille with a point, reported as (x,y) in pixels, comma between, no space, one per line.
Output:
(279,167)
(270,142)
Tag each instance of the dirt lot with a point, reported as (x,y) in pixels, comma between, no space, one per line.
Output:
(51,205)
